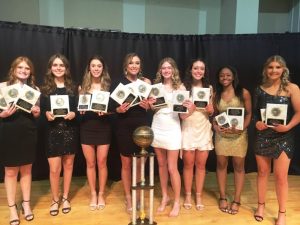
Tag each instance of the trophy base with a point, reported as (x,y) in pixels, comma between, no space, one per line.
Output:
(145,221)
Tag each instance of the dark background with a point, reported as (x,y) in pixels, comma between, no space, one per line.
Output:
(246,52)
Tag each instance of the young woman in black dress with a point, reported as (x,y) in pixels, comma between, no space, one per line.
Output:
(95,131)
(62,133)
(18,138)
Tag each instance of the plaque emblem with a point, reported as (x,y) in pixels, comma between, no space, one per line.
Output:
(29,95)
(201,94)
(180,98)
(275,112)
(234,122)
(100,97)
(221,120)
(3,102)
(13,93)
(155,91)
(59,102)
(142,88)
(120,94)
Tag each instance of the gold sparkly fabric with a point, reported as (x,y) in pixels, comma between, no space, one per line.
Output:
(231,144)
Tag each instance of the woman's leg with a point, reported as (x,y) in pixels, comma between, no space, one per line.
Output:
(68,162)
(126,180)
(222,163)
(281,168)
(188,173)
(55,170)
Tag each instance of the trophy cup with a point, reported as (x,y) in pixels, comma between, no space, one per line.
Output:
(143,137)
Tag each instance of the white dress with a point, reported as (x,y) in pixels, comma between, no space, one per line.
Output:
(166,127)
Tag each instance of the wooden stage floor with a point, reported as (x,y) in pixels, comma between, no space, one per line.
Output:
(114,212)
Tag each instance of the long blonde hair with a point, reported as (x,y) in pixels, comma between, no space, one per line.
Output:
(12,78)
(285,78)
(176,81)
(105,80)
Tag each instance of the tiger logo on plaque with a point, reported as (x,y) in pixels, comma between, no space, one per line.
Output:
(236,117)
(84,102)
(157,92)
(11,93)
(178,98)
(201,97)
(222,120)
(276,114)
(59,105)
(28,98)
(122,94)
(99,101)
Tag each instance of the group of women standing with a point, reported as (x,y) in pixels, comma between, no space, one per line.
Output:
(190,132)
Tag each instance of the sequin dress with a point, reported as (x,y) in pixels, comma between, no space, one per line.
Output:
(231,144)
(270,143)
(62,136)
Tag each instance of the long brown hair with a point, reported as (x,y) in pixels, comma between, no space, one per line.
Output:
(49,83)
(105,80)
(12,71)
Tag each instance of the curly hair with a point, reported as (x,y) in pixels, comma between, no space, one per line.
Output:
(12,78)
(105,80)
(285,78)
(128,58)
(188,79)
(238,90)
(176,81)
(49,82)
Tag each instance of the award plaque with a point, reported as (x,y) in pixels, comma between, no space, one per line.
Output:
(28,98)
(222,120)
(236,117)
(133,89)
(178,98)
(276,114)
(84,102)
(11,93)
(157,92)
(143,88)
(201,97)
(3,104)
(122,95)
(59,105)
(263,115)
(99,102)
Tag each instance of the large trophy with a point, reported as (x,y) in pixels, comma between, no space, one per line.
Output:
(143,137)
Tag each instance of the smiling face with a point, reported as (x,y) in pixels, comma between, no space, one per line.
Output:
(58,68)
(96,68)
(22,71)
(166,70)
(198,70)
(274,71)
(226,77)
(134,66)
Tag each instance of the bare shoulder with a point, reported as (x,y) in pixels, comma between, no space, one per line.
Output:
(293,88)
(146,80)
(3,84)
(182,87)
(246,93)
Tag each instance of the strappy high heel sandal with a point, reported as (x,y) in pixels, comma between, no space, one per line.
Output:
(199,205)
(14,221)
(280,212)
(187,201)
(93,202)
(54,212)
(67,209)
(259,218)
(224,209)
(29,216)
(233,210)
(101,201)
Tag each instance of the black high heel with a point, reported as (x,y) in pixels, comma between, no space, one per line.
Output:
(28,217)
(65,210)
(259,218)
(15,221)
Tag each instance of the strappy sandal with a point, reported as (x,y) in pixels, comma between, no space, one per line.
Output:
(14,221)
(29,216)
(101,204)
(187,202)
(199,205)
(54,212)
(233,211)
(65,210)
(283,212)
(224,209)
(259,218)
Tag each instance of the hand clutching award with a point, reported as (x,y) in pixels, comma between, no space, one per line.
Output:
(201,97)
(222,120)
(84,102)
(133,89)
(157,92)
(122,94)
(236,117)
(59,105)
(178,98)
(99,102)
(27,98)
(276,114)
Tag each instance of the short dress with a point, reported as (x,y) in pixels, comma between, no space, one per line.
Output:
(126,123)
(61,136)
(166,127)
(270,143)
(95,129)
(231,144)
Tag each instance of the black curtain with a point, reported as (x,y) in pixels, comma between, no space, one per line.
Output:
(246,52)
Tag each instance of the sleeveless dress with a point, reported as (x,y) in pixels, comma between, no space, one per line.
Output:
(61,136)
(270,143)
(126,123)
(231,144)
(166,127)
(95,129)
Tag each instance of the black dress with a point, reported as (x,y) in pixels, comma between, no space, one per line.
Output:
(126,123)
(18,139)
(269,142)
(61,136)
(95,129)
